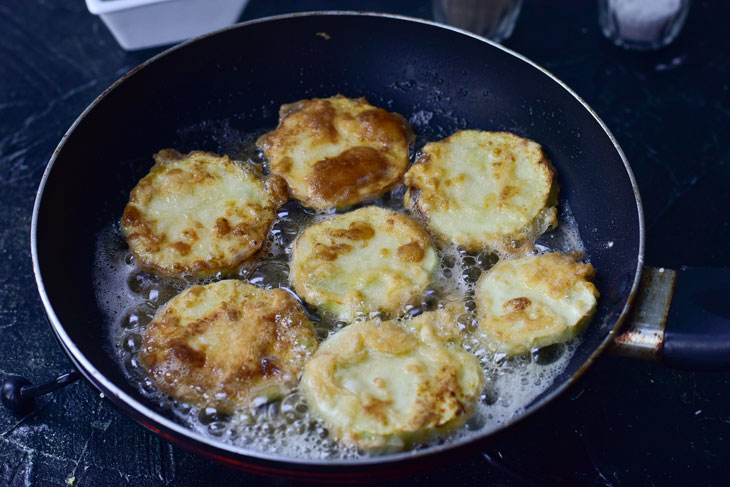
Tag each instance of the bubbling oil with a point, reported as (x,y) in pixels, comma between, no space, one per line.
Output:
(130,297)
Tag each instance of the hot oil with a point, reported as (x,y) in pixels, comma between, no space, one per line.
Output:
(130,297)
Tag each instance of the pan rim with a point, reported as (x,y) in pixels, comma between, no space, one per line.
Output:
(192,437)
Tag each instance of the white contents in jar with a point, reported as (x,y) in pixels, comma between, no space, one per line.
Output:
(643,20)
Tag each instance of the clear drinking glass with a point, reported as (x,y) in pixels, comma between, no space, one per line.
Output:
(642,24)
(493,19)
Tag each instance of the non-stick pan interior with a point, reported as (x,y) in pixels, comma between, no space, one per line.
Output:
(443,79)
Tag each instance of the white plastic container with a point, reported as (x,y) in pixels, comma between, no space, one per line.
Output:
(137,24)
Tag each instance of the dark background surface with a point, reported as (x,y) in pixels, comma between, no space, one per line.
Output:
(624,423)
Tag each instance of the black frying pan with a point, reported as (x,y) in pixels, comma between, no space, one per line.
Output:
(239,77)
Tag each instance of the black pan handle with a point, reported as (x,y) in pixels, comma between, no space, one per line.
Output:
(681,318)
(17,393)
(697,334)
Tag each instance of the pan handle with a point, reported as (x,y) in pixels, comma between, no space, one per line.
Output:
(681,318)
(17,393)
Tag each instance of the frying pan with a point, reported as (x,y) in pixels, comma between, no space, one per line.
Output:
(446,78)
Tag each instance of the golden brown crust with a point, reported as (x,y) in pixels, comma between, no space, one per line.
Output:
(198,214)
(411,252)
(336,152)
(227,344)
(340,179)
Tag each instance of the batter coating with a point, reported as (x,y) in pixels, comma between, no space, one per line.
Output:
(491,190)
(370,259)
(336,152)
(534,301)
(228,344)
(386,385)
(199,213)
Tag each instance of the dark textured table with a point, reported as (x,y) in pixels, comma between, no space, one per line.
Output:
(624,423)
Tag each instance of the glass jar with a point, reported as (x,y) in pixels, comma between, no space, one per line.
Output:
(493,19)
(642,24)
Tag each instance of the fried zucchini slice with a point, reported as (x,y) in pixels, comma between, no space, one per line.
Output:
(336,152)
(198,214)
(534,301)
(480,190)
(385,385)
(370,259)
(227,345)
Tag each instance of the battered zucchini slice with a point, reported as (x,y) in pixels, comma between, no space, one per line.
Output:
(490,190)
(336,152)
(370,259)
(198,214)
(385,385)
(534,301)
(227,345)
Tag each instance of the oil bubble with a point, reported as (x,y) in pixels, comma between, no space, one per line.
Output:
(208,415)
(142,282)
(549,354)
(270,275)
(131,342)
